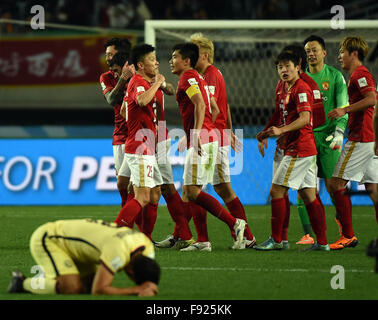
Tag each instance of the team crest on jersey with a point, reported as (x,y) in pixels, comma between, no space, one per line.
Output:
(325,85)
(212,89)
(192,81)
(362,82)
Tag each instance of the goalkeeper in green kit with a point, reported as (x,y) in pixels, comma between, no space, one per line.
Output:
(330,135)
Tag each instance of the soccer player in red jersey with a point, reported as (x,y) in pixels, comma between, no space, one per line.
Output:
(141,100)
(297,169)
(193,98)
(114,84)
(318,117)
(223,123)
(357,161)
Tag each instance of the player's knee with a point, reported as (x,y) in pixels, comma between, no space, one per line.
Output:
(155,195)
(224,190)
(167,190)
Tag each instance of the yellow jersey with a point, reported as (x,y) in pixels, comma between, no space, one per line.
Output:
(89,242)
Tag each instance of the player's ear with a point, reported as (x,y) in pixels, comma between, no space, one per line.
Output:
(140,64)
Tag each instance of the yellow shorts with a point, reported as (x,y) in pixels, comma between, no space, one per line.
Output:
(51,256)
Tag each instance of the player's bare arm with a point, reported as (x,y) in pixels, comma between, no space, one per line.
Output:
(146,97)
(236,144)
(199,116)
(302,121)
(366,102)
(214,109)
(116,95)
(102,284)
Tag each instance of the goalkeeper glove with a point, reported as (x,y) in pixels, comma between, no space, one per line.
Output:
(336,139)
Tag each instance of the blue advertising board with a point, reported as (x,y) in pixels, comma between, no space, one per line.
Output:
(81,172)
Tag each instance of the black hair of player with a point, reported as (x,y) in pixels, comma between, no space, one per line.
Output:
(120,44)
(119,59)
(320,40)
(287,56)
(145,269)
(299,51)
(139,51)
(188,50)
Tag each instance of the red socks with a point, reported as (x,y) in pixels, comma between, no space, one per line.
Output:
(237,210)
(316,214)
(176,209)
(128,213)
(344,212)
(285,226)
(278,209)
(149,215)
(212,205)
(200,222)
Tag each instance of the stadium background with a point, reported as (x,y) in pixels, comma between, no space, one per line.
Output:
(55,124)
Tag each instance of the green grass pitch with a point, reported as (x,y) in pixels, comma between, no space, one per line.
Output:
(223,273)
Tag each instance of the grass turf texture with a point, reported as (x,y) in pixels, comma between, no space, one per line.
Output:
(222,273)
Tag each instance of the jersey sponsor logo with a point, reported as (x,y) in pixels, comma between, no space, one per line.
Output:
(316,94)
(362,82)
(325,85)
(302,97)
(140,89)
(192,81)
(103,86)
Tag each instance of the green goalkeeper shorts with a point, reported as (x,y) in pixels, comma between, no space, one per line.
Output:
(326,158)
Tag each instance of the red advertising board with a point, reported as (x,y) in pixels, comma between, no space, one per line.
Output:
(52,60)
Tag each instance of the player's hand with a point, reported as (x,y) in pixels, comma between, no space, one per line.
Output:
(147,289)
(127,71)
(182,144)
(336,139)
(159,78)
(262,135)
(336,113)
(236,144)
(273,131)
(262,145)
(196,142)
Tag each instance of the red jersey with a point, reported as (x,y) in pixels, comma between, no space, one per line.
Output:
(162,134)
(141,121)
(217,88)
(318,114)
(360,124)
(190,83)
(298,98)
(108,82)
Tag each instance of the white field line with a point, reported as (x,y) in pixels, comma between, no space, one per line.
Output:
(258,269)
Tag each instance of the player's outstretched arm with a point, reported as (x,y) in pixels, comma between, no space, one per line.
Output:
(102,284)
(366,102)
(299,123)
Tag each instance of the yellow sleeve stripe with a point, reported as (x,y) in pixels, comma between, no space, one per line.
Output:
(192,90)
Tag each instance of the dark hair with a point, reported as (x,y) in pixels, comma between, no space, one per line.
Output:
(287,56)
(119,59)
(138,53)
(315,38)
(145,269)
(188,50)
(120,44)
(299,52)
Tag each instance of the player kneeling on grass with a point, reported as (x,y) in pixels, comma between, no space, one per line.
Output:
(82,256)
(297,169)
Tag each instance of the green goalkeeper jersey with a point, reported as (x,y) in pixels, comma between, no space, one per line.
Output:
(333,87)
